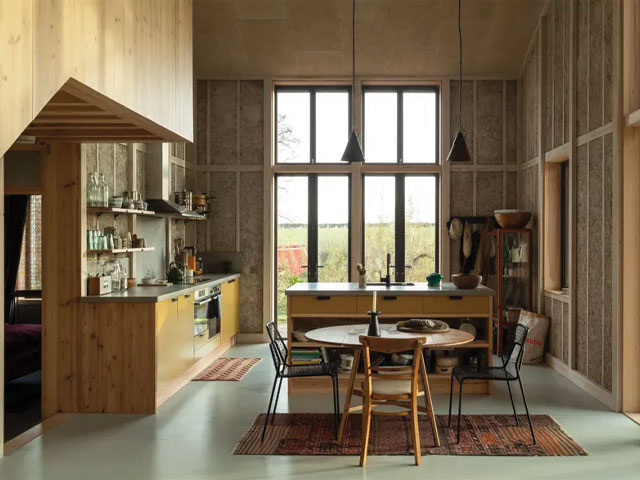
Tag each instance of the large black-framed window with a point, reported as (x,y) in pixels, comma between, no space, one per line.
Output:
(401,124)
(312,123)
(401,217)
(312,231)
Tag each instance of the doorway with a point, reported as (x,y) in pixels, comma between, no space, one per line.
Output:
(312,232)
(23,314)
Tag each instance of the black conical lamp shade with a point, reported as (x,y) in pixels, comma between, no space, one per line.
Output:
(459,151)
(353,152)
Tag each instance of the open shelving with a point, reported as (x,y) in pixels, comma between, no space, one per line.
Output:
(115,251)
(118,211)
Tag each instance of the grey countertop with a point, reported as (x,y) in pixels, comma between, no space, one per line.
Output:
(418,288)
(158,294)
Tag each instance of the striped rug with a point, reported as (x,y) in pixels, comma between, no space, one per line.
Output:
(480,435)
(228,369)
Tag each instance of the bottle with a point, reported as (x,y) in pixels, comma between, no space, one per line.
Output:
(91,190)
(103,192)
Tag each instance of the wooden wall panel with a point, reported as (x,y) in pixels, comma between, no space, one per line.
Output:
(582,66)
(131,51)
(582,256)
(16,32)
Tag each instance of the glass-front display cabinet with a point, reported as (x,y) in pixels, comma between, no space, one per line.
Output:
(511,278)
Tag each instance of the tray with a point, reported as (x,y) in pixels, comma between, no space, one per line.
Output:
(425,329)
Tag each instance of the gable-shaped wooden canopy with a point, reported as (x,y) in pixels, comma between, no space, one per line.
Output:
(77,113)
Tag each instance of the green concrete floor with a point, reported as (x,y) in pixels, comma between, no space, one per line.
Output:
(194,432)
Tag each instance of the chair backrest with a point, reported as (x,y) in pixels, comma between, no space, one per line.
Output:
(513,356)
(277,346)
(391,345)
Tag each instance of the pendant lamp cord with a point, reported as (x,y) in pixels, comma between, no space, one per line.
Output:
(353,66)
(460,68)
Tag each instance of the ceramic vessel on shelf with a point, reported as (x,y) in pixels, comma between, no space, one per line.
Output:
(512,218)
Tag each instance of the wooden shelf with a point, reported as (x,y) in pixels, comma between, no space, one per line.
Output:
(176,216)
(633,119)
(119,211)
(115,251)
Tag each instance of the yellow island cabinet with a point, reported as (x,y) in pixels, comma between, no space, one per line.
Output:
(139,346)
(316,305)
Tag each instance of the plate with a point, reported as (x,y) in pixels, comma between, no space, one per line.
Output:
(429,325)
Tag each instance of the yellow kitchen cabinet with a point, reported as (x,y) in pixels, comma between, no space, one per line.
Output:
(174,324)
(305,304)
(230,320)
(391,304)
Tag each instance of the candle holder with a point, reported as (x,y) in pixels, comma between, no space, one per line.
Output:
(374,326)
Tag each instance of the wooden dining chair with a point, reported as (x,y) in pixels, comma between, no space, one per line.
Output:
(395,386)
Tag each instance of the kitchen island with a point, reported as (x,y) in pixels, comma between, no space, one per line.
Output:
(138,346)
(315,305)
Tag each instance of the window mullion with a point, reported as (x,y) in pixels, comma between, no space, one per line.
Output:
(400,228)
(312,261)
(312,124)
(399,126)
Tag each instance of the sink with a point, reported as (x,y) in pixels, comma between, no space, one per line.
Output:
(393,284)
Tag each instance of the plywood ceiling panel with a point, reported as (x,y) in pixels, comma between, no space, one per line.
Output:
(394,37)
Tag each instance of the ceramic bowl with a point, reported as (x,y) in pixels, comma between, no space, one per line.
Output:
(466,281)
(512,218)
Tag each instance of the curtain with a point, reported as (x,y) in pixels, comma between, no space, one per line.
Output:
(14,221)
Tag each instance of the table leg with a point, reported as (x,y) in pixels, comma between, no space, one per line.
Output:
(429,404)
(347,400)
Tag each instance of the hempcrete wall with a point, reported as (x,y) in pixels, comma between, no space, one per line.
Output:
(592,334)
(488,183)
(229,162)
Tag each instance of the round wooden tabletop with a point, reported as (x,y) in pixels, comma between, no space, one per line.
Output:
(347,335)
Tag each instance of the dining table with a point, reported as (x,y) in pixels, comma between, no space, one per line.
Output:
(349,336)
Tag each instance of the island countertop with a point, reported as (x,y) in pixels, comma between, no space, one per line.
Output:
(418,288)
(158,294)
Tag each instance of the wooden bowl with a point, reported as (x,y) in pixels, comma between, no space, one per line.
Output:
(466,281)
(512,218)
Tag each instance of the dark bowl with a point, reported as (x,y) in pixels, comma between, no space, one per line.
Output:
(466,281)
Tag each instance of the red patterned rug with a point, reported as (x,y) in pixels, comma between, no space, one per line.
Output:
(230,369)
(482,435)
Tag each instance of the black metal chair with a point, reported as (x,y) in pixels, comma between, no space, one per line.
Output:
(508,372)
(279,353)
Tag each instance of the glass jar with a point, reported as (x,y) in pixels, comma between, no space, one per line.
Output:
(92,187)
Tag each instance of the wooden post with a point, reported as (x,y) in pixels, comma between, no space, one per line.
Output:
(64,260)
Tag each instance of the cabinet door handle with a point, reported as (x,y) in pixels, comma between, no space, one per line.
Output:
(232,280)
(455,297)
(324,297)
(174,299)
(187,295)
(389,297)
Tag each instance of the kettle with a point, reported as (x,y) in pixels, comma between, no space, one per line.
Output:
(175,273)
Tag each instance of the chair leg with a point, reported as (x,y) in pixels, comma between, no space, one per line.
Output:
(275,405)
(266,420)
(415,430)
(513,405)
(533,435)
(366,427)
(459,410)
(450,399)
(336,406)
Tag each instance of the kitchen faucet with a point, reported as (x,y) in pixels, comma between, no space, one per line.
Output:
(387,279)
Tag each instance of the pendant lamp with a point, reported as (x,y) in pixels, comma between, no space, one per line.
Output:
(353,152)
(459,151)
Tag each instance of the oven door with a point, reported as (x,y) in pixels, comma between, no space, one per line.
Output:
(201,314)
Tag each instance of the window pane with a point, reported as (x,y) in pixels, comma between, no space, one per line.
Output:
(379,224)
(419,125)
(332,126)
(333,228)
(381,127)
(292,230)
(420,227)
(293,128)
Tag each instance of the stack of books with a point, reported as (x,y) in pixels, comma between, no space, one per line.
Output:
(306,357)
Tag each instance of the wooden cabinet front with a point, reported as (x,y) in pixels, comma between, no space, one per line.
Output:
(455,305)
(322,304)
(391,304)
(230,315)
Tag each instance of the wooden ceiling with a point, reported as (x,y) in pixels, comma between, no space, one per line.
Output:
(76,113)
(393,37)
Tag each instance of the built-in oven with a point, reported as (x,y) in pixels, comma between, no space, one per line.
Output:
(207,313)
